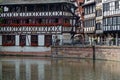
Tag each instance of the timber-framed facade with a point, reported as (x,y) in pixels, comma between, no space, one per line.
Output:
(34,26)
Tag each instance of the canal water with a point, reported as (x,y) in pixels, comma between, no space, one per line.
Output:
(39,68)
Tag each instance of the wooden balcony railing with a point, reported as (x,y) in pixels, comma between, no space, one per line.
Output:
(42,24)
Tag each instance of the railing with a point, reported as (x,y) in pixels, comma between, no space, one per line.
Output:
(26,14)
(41,24)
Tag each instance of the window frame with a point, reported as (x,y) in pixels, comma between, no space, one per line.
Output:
(34,40)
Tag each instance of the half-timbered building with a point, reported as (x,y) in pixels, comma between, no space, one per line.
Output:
(89,20)
(34,25)
(111,21)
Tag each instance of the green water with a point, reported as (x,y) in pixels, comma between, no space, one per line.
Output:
(17,68)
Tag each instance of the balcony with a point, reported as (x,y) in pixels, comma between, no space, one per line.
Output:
(99,18)
(39,25)
(111,28)
(37,14)
(98,6)
(89,16)
(89,30)
(99,31)
(89,2)
(110,13)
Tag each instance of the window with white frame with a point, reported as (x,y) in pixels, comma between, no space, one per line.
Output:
(89,9)
(106,7)
(114,20)
(118,20)
(117,4)
(112,6)
(89,23)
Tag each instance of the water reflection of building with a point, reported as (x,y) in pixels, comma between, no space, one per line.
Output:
(22,70)
(57,69)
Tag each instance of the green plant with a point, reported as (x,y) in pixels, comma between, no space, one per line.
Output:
(1,20)
(113,39)
(1,10)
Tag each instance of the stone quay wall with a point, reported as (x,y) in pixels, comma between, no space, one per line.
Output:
(108,52)
(99,52)
(78,52)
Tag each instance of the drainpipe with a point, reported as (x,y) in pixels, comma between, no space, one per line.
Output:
(93,52)
(116,39)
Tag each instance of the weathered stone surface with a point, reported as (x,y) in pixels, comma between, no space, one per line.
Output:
(101,52)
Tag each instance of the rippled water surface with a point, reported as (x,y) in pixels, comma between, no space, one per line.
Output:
(17,68)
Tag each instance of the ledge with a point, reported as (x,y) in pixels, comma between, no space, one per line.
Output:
(108,47)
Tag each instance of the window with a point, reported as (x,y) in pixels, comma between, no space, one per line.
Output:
(118,20)
(48,40)
(39,21)
(112,6)
(30,8)
(114,22)
(106,7)
(66,21)
(116,4)
(22,40)
(98,1)
(105,21)
(1,20)
(85,10)
(87,0)
(53,20)
(89,23)
(98,26)
(109,21)
(34,40)
(89,9)
(27,21)
(99,13)
(15,21)
(6,21)
(8,40)
(53,7)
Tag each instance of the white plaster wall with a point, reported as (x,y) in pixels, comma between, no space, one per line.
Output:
(24,49)
(89,16)
(61,39)
(41,40)
(66,38)
(86,1)
(17,40)
(0,39)
(28,40)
